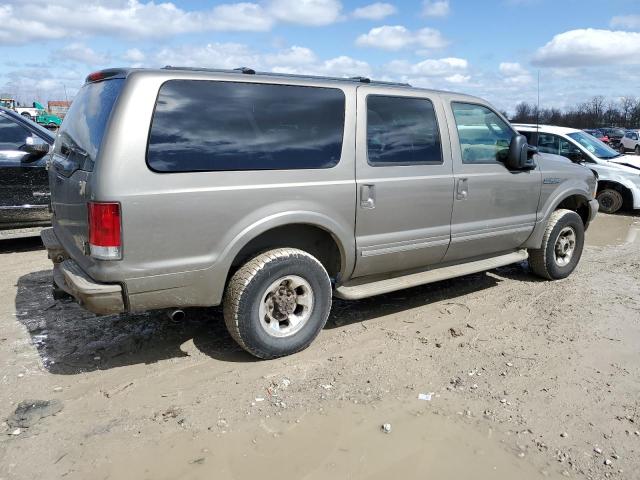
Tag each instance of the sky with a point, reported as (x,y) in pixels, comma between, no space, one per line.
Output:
(494,49)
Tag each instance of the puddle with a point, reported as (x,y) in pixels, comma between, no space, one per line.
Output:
(342,443)
(612,230)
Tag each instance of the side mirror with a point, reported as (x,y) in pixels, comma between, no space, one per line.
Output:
(36,148)
(520,156)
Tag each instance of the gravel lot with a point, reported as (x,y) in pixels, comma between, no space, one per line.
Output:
(527,379)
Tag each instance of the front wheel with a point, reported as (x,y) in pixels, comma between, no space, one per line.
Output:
(277,303)
(621,149)
(610,200)
(637,149)
(561,246)
(26,115)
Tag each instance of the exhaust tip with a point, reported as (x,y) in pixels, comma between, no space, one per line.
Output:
(176,315)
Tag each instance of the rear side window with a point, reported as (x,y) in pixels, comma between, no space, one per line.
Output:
(212,126)
(484,136)
(12,135)
(402,131)
(84,125)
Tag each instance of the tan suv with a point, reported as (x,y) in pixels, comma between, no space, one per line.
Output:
(178,187)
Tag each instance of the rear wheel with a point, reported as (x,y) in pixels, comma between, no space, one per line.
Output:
(561,246)
(277,303)
(610,200)
(26,115)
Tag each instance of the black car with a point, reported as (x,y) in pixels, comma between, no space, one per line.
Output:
(24,184)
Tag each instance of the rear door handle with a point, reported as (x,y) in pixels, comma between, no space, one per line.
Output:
(462,189)
(368,196)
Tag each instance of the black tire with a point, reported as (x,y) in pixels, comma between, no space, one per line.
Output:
(249,285)
(637,150)
(621,149)
(544,261)
(26,115)
(610,200)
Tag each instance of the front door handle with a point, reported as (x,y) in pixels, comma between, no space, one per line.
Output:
(462,189)
(368,196)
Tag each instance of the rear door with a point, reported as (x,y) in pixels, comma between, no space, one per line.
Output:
(495,208)
(404,180)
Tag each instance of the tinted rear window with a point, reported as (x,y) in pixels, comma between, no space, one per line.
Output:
(210,126)
(402,131)
(84,124)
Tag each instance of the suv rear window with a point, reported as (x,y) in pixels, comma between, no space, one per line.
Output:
(84,125)
(202,125)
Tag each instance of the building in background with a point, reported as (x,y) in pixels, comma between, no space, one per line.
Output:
(58,107)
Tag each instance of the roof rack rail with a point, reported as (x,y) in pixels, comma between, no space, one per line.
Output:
(251,71)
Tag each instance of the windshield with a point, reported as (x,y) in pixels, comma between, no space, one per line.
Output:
(594,146)
(84,125)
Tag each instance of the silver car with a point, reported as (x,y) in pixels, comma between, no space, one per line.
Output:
(271,194)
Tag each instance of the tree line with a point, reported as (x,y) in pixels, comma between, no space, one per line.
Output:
(597,112)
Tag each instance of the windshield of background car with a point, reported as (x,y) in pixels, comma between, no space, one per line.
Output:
(84,125)
(594,146)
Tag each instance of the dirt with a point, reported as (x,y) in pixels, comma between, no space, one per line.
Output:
(519,378)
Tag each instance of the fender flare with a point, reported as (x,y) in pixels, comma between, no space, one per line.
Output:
(342,236)
(535,239)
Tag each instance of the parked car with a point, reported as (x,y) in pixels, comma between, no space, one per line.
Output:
(36,113)
(270,193)
(619,175)
(614,134)
(24,182)
(599,134)
(630,142)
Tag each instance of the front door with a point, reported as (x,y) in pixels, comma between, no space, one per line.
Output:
(494,208)
(404,181)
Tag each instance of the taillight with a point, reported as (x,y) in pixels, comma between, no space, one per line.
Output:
(105,236)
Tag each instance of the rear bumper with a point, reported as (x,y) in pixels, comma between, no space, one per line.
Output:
(99,298)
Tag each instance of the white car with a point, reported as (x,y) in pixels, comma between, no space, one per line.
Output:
(618,174)
(630,142)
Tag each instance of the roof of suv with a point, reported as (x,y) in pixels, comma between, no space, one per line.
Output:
(243,71)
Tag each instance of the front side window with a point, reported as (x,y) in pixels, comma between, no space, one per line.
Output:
(402,131)
(12,135)
(212,126)
(484,136)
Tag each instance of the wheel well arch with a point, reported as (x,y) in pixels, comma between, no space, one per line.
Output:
(577,203)
(310,238)
(627,195)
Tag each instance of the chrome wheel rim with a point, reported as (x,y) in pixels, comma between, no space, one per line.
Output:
(286,306)
(565,246)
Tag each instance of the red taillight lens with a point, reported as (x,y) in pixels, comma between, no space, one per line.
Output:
(105,239)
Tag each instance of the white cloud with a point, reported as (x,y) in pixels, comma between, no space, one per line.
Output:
(31,20)
(134,55)
(514,73)
(458,78)
(375,11)
(295,59)
(306,12)
(397,37)
(589,47)
(214,55)
(438,8)
(80,53)
(626,21)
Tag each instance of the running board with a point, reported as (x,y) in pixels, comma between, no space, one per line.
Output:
(355,291)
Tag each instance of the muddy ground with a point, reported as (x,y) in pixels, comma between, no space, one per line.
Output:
(527,379)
